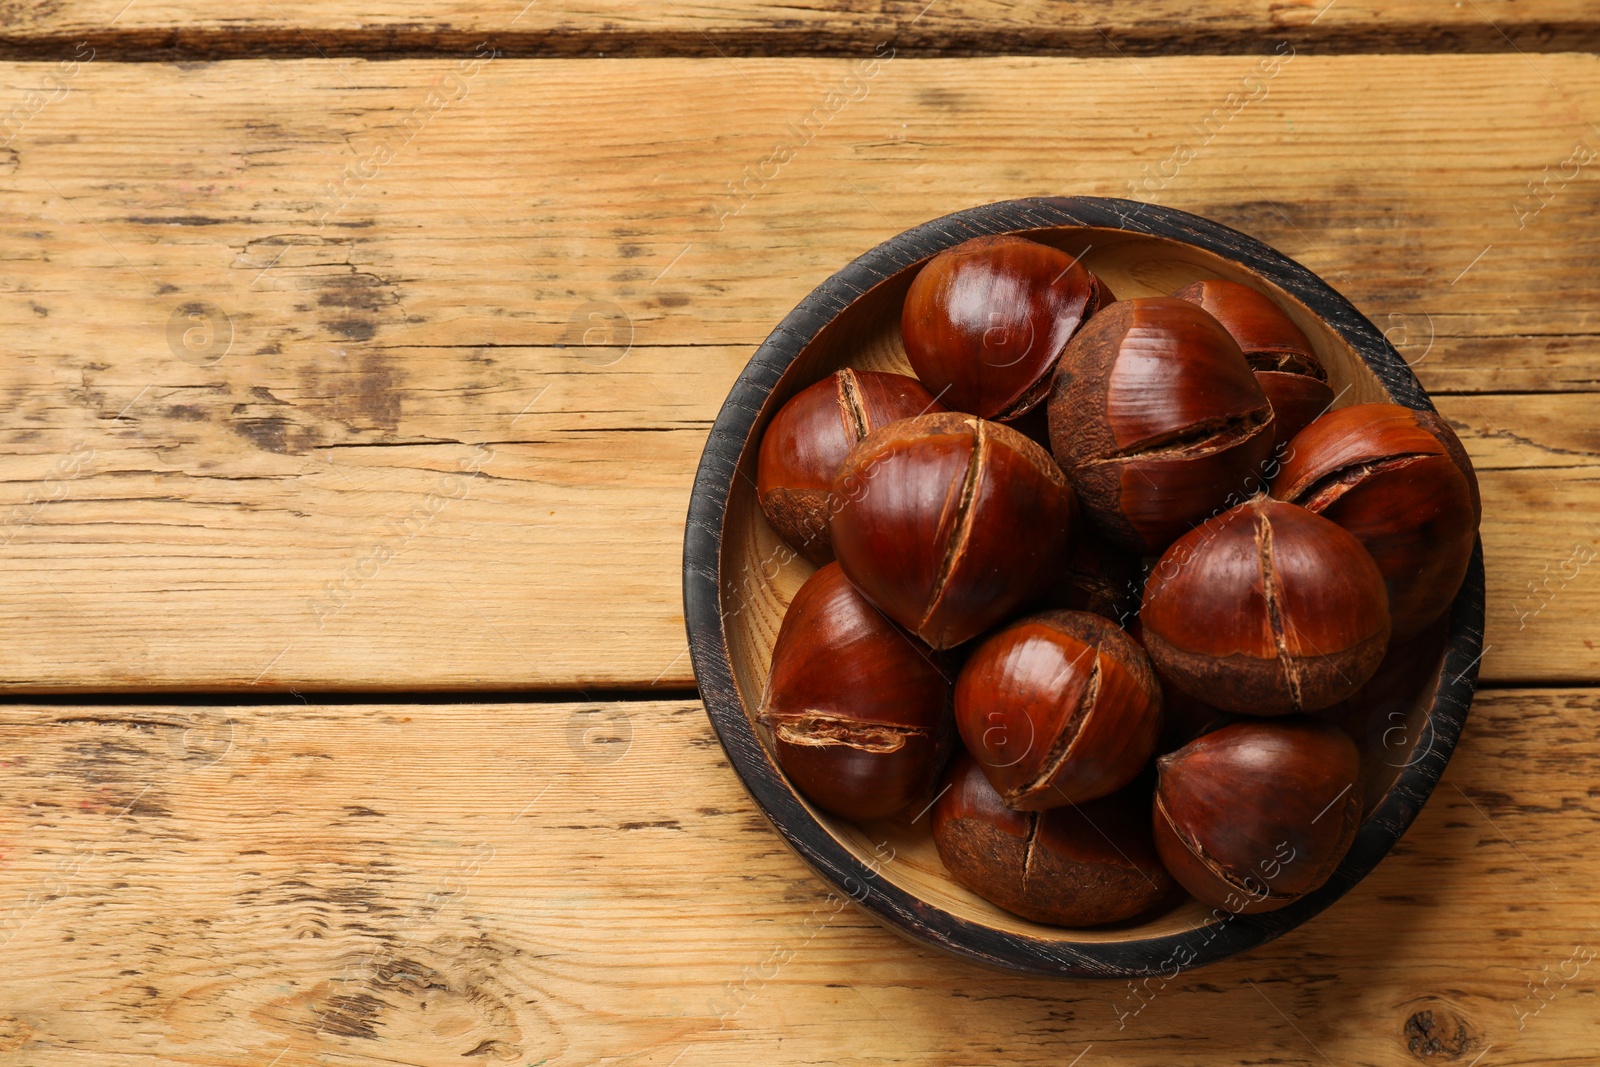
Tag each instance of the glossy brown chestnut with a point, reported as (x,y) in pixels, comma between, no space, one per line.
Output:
(985,322)
(1101,578)
(1080,865)
(1157,420)
(1294,379)
(858,709)
(806,443)
(1400,481)
(950,523)
(1266,609)
(1256,815)
(1058,708)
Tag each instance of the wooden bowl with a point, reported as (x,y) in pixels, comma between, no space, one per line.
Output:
(739,578)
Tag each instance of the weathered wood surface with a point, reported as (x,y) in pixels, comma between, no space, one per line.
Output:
(577,884)
(206,28)
(426,455)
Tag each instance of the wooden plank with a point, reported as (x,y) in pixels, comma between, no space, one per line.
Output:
(368,884)
(206,29)
(406,284)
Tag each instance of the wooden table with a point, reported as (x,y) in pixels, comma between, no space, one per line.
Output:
(358,359)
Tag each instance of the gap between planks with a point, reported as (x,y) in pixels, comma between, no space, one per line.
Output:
(169,44)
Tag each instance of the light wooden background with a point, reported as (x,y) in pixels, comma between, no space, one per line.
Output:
(358,358)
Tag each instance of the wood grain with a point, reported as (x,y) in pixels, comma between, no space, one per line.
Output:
(371,884)
(416,338)
(165,29)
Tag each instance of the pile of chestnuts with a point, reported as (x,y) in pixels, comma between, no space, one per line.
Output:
(1095,583)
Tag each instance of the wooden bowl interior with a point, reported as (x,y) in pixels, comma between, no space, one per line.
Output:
(761,575)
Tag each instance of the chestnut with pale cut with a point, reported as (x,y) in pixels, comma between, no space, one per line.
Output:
(1399,480)
(859,710)
(1266,609)
(1157,420)
(808,439)
(1255,815)
(1080,865)
(1058,708)
(950,523)
(1278,351)
(985,322)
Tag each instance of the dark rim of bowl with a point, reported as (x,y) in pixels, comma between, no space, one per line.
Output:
(1164,954)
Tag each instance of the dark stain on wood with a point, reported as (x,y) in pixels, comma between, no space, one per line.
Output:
(940,98)
(352,329)
(363,397)
(367,292)
(178,220)
(274,433)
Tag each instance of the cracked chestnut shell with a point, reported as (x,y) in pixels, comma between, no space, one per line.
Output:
(1081,865)
(1157,420)
(985,322)
(1058,708)
(1278,351)
(858,709)
(1266,609)
(950,523)
(1400,481)
(808,439)
(1256,815)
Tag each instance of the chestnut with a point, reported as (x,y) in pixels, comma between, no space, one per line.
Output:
(1058,708)
(1080,865)
(806,443)
(949,523)
(1399,480)
(1285,364)
(1256,815)
(859,710)
(1266,609)
(985,322)
(1157,420)
(1101,578)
